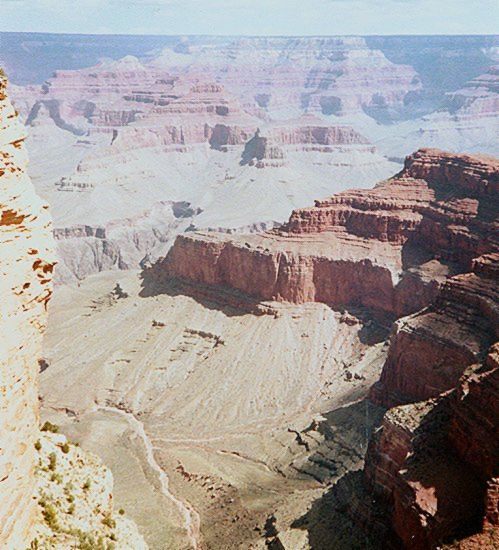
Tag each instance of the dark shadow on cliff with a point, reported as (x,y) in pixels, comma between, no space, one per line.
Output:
(329,521)
(338,442)
(458,491)
(376,326)
(349,516)
(229,301)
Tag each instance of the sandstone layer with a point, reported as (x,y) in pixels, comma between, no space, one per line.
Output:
(386,249)
(26,267)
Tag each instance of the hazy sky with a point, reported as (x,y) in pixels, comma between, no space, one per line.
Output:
(253,17)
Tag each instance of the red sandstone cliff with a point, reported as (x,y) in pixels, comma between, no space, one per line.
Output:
(432,465)
(386,248)
(421,246)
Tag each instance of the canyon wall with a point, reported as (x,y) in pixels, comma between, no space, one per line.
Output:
(421,247)
(432,464)
(387,249)
(26,266)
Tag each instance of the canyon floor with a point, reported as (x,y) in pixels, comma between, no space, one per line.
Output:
(221,425)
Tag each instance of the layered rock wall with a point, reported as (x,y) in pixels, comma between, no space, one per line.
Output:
(25,287)
(423,243)
(387,248)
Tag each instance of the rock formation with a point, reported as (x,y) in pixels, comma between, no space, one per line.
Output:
(26,272)
(323,75)
(386,249)
(422,244)
(432,464)
(26,286)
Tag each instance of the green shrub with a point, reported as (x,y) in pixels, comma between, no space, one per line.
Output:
(49,427)
(38,446)
(56,478)
(108,521)
(50,516)
(52,461)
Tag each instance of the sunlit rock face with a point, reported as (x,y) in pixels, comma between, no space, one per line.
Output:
(421,247)
(26,266)
(386,249)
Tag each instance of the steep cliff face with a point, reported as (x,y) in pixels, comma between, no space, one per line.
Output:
(423,243)
(431,349)
(387,248)
(25,287)
(432,465)
(34,494)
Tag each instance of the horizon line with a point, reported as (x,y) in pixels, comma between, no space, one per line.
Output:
(249,35)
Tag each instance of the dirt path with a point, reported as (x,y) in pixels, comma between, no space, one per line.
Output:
(191,517)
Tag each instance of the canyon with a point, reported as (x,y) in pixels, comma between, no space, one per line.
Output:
(367,324)
(273,303)
(243,129)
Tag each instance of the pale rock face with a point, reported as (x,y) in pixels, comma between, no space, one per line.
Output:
(26,264)
(75,500)
(133,134)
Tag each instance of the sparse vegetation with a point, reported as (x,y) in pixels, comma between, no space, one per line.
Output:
(49,513)
(86,486)
(52,461)
(56,478)
(108,521)
(49,427)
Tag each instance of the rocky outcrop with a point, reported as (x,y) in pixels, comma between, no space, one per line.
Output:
(120,244)
(430,350)
(31,492)
(387,249)
(74,493)
(432,465)
(431,471)
(26,267)
(423,243)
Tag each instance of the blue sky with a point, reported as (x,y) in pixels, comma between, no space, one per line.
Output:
(252,17)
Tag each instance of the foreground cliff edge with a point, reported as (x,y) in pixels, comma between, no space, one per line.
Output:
(52,494)
(422,248)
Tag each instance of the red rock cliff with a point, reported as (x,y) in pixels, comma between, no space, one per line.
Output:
(423,243)
(386,248)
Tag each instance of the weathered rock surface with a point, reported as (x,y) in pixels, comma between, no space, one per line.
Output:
(26,265)
(431,468)
(432,465)
(431,349)
(74,494)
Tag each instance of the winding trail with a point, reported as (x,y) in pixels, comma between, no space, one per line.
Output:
(192,520)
